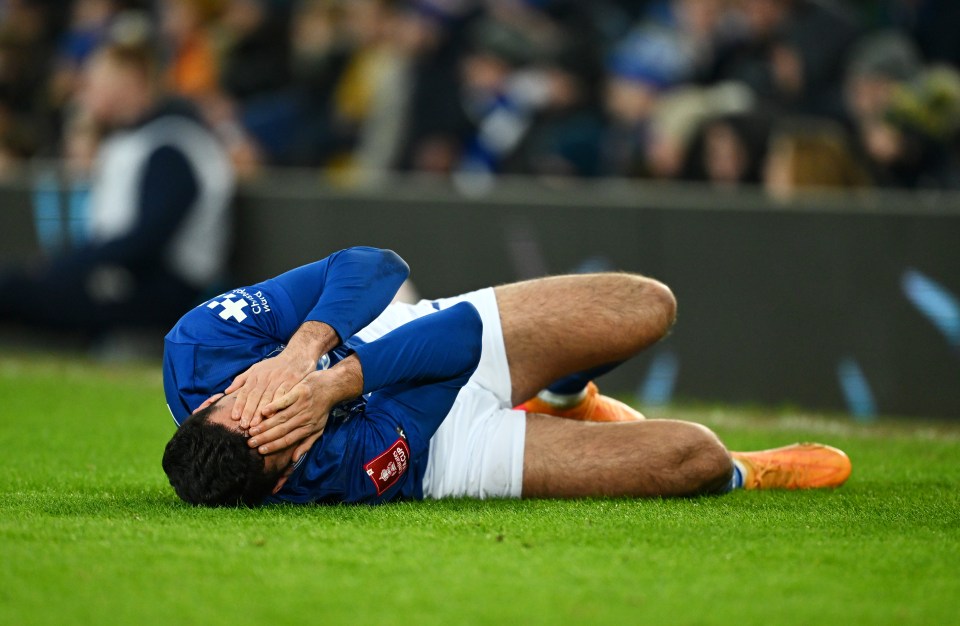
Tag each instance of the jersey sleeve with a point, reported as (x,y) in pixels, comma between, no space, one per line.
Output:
(431,348)
(417,370)
(347,290)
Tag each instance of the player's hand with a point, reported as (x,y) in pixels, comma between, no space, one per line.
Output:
(272,378)
(265,381)
(297,417)
(207,402)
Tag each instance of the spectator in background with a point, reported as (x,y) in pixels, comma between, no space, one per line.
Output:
(87,29)
(256,58)
(932,24)
(529,86)
(643,67)
(431,31)
(792,54)
(679,117)
(925,118)
(158,230)
(905,116)
(187,27)
(349,107)
(705,26)
(566,130)
(815,158)
(371,97)
(363,87)
(220,54)
(499,96)
(729,151)
(26,43)
(346,108)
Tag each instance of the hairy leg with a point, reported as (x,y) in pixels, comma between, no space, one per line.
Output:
(572,459)
(556,326)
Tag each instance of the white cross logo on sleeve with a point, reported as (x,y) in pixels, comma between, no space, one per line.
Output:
(231,308)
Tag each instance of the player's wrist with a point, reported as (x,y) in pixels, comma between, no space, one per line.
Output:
(311,341)
(346,379)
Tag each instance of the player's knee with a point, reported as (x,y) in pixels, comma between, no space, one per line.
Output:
(707,464)
(656,301)
(663,300)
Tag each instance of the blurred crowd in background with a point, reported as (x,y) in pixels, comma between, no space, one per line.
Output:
(784,93)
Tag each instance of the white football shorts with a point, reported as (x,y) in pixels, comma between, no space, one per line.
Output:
(478,450)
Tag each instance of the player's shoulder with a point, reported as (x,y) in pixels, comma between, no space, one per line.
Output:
(233,316)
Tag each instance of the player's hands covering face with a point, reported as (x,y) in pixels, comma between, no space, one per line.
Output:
(271,379)
(266,381)
(299,416)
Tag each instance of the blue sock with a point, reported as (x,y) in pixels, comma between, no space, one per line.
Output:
(736,481)
(576,383)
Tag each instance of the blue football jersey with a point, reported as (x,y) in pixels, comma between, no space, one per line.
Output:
(373,448)
(218,340)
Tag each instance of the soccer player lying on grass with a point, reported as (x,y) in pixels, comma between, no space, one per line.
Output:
(332,394)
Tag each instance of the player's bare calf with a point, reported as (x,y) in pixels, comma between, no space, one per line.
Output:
(571,459)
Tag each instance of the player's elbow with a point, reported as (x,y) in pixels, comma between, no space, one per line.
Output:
(392,264)
(378,262)
(475,343)
(470,330)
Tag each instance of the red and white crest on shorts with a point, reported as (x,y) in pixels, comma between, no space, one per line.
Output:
(386,469)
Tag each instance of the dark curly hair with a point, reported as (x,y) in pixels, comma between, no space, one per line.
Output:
(210,465)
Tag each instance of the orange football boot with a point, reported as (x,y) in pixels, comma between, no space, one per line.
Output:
(797,466)
(593,408)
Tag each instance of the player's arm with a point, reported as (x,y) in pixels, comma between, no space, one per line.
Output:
(432,352)
(329,300)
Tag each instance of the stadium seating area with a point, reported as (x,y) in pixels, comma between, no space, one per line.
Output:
(784,93)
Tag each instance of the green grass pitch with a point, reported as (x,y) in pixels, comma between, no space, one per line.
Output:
(90,533)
